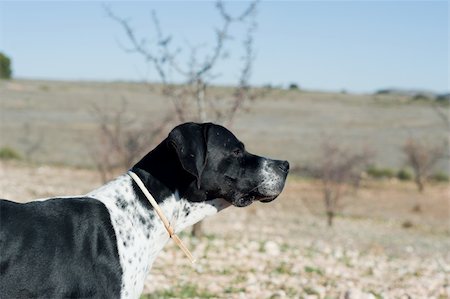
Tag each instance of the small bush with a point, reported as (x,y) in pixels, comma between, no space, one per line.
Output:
(380,173)
(7,153)
(417,208)
(5,67)
(404,175)
(293,86)
(44,87)
(440,177)
(443,98)
(420,97)
(383,91)
(407,224)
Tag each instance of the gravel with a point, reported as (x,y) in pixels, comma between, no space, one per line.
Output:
(278,250)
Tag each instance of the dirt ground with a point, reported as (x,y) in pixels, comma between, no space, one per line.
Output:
(284,249)
(377,248)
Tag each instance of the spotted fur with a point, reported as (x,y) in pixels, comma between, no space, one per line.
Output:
(140,234)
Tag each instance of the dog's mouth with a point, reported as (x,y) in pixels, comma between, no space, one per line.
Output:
(246,201)
(266,195)
(264,192)
(267,199)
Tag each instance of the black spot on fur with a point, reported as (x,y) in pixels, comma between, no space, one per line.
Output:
(121,203)
(142,220)
(151,216)
(186,210)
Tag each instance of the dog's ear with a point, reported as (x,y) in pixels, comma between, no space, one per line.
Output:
(190,143)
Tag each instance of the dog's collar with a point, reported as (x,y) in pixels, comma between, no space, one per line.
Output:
(163,218)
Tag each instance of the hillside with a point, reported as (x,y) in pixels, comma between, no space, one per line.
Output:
(285,124)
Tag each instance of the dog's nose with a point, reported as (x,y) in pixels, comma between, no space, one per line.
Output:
(284,166)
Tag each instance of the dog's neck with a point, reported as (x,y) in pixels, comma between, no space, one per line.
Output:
(140,233)
(162,173)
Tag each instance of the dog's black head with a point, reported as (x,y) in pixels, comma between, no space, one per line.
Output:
(210,162)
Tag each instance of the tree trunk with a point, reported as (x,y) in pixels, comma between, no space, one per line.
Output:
(197,230)
(330,217)
(420,184)
(201,107)
(329,205)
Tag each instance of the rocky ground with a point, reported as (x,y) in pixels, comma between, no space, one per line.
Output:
(283,249)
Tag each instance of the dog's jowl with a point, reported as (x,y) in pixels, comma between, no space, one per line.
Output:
(102,244)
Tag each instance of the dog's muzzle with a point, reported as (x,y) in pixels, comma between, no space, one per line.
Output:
(274,175)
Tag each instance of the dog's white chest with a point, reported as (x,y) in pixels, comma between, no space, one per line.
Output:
(139,238)
(140,233)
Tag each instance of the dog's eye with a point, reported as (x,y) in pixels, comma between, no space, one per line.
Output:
(237,152)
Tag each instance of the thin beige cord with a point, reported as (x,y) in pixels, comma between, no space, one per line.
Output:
(163,218)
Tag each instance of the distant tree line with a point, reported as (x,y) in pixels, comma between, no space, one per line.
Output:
(415,95)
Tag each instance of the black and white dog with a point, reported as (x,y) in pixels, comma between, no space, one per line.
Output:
(102,244)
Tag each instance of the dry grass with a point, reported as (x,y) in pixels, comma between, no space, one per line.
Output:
(285,124)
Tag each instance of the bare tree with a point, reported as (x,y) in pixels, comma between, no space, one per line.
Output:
(121,139)
(340,169)
(422,159)
(194,99)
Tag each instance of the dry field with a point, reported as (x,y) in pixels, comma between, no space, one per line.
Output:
(284,250)
(284,124)
(378,247)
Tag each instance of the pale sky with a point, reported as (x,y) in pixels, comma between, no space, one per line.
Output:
(358,46)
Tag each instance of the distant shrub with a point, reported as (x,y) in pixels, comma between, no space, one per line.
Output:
(380,173)
(407,224)
(417,208)
(293,86)
(440,177)
(383,91)
(420,97)
(7,153)
(44,87)
(404,175)
(443,98)
(5,67)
